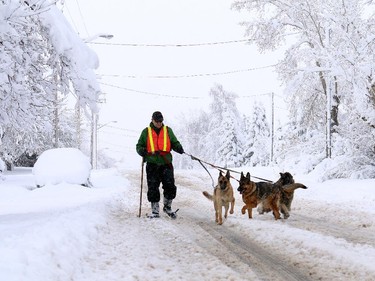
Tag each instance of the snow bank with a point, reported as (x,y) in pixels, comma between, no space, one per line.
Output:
(45,232)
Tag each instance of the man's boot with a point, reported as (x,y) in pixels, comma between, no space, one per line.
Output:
(154,210)
(168,208)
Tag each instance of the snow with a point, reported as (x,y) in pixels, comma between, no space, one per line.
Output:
(67,231)
(68,44)
(66,40)
(62,164)
(2,166)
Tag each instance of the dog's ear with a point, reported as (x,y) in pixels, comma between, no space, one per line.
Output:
(242,176)
(248,175)
(228,175)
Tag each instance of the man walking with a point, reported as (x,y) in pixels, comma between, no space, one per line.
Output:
(155,145)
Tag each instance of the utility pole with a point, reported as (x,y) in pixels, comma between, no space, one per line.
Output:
(94,115)
(329,102)
(56,106)
(328,113)
(78,124)
(94,139)
(272,123)
(56,117)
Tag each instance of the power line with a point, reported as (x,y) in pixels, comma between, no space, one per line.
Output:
(188,75)
(119,134)
(255,95)
(183,45)
(83,21)
(147,93)
(71,18)
(172,45)
(168,96)
(264,94)
(122,129)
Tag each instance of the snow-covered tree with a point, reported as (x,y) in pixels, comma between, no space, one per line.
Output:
(191,133)
(222,140)
(257,137)
(229,149)
(41,60)
(329,69)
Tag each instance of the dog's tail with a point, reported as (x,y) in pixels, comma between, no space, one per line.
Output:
(293,186)
(207,195)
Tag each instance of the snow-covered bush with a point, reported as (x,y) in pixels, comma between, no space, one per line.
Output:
(59,165)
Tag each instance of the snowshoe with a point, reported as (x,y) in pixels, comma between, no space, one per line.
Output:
(153,215)
(170,213)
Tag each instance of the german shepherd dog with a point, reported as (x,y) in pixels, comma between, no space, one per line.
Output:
(288,186)
(285,178)
(222,197)
(287,194)
(267,195)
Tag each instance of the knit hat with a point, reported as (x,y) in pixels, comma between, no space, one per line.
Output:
(157,116)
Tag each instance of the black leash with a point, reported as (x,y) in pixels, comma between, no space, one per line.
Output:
(212,165)
(200,162)
(219,168)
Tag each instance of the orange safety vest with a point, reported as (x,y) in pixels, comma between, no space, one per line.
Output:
(159,142)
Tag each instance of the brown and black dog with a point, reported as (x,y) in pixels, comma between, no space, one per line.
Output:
(222,197)
(285,178)
(287,194)
(288,186)
(266,195)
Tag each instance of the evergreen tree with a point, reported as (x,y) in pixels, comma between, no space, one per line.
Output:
(257,138)
(224,135)
(215,136)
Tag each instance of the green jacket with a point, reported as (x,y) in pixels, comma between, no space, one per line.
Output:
(141,147)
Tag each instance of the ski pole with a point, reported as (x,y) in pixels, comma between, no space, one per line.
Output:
(140,195)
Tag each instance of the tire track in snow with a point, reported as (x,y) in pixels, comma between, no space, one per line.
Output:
(251,257)
(326,224)
(360,235)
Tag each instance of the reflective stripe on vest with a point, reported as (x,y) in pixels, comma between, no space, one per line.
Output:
(159,142)
(150,141)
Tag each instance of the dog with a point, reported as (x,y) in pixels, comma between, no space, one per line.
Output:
(266,195)
(287,194)
(285,179)
(223,196)
(288,186)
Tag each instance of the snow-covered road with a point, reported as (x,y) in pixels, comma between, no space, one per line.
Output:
(328,239)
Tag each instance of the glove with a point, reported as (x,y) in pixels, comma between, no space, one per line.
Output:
(180,150)
(143,152)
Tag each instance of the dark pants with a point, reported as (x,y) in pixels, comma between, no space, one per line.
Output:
(157,174)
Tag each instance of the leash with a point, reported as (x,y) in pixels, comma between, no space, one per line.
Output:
(212,165)
(219,168)
(200,162)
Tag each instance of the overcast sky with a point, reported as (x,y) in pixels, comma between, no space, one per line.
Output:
(138,79)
